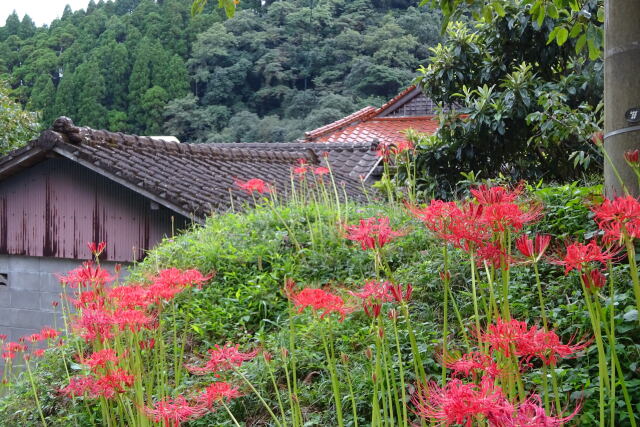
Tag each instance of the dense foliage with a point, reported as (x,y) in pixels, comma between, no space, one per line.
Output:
(16,125)
(526,104)
(254,253)
(273,71)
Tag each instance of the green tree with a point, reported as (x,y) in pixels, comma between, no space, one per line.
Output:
(507,90)
(17,126)
(43,97)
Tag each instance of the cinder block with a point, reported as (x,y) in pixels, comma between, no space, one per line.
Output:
(5,296)
(47,298)
(25,299)
(24,264)
(25,281)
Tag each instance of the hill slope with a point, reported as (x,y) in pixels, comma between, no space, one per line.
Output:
(269,73)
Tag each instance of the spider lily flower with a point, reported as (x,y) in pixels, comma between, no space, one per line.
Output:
(533,249)
(174,411)
(372,233)
(217,392)
(227,357)
(578,256)
(320,301)
(253,185)
(618,217)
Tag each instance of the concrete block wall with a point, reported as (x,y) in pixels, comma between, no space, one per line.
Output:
(31,287)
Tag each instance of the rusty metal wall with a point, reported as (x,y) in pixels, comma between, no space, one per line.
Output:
(54,208)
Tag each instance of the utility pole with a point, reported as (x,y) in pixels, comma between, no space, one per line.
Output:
(621,91)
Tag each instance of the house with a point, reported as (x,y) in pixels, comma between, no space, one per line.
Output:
(409,109)
(75,185)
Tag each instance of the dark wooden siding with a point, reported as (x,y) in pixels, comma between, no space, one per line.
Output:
(54,208)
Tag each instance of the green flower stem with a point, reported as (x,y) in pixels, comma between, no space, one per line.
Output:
(276,391)
(352,396)
(476,314)
(35,393)
(633,269)
(253,389)
(392,392)
(463,329)
(602,361)
(335,385)
(230,414)
(504,275)
(405,418)
(445,315)
(545,323)
(417,359)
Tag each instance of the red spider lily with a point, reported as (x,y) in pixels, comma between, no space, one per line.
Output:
(384,151)
(632,157)
(320,302)
(492,254)
(533,249)
(321,170)
(3,337)
(39,352)
(224,358)
(8,355)
(134,320)
(148,344)
(580,255)
(88,275)
(473,363)
(515,337)
(594,279)
(100,359)
(398,296)
(15,347)
(34,338)
(467,230)
(436,216)
(402,146)
(618,217)
(48,333)
(95,324)
(180,278)
(217,392)
(89,299)
(531,413)
(107,386)
(372,233)
(174,411)
(302,168)
(374,291)
(460,403)
(131,296)
(497,194)
(96,249)
(372,309)
(509,216)
(597,138)
(253,185)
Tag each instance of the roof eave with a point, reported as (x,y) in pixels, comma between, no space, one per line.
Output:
(169,205)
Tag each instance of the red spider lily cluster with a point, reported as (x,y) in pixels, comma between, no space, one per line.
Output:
(469,404)
(11,349)
(514,337)
(254,185)
(372,233)
(321,302)
(225,358)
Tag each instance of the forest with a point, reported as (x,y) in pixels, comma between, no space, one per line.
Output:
(275,70)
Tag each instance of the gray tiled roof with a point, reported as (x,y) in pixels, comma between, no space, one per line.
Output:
(192,179)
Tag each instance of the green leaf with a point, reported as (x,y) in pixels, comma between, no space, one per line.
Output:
(552,35)
(552,11)
(575,30)
(487,13)
(594,52)
(581,42)
(197,7)
(541,15)
(497,7)
(631,316)
(561,36)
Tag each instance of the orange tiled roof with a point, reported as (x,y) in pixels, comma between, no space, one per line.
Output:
(372,123)
(383,129)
